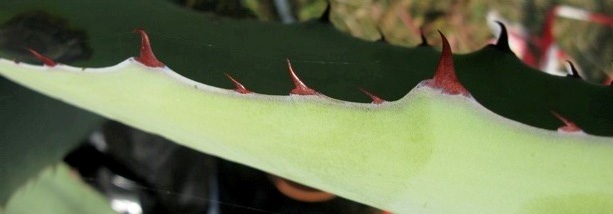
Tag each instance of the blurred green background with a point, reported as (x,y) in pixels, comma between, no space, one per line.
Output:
(590,45)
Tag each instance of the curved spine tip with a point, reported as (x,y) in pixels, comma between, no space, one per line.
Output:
(569,126)
(325,16)
(444,76)
(572,72)
(238,86)
(45,60)
(424,41)
(503,39)
(147,57)
(375,99)
(382,39)
(300,87)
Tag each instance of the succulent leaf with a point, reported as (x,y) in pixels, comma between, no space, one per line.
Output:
(385,155)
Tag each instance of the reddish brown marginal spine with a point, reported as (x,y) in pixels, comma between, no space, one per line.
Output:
(569,126)
(146,57)
(445,77)
(46,60)
(375,99)
(238,86)
(300,88)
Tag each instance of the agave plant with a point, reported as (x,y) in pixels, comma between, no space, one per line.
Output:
(445,133)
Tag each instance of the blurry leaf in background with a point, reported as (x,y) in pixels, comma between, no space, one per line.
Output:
(300,10)
(464,21)
(50,35)
(58,190)
(229,8)
(590,44)
(35,132)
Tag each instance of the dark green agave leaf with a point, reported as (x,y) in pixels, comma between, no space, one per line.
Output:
(35,131)
(203,47)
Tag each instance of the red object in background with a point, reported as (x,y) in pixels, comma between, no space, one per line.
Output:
(547,56)
(300,192)
(608,81)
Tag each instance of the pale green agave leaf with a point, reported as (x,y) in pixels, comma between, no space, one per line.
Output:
(396,155)
(426,152)
(57,190)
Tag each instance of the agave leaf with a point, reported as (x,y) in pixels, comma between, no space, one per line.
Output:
(203,47)
(246,130)
(57,190)
(385,155)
